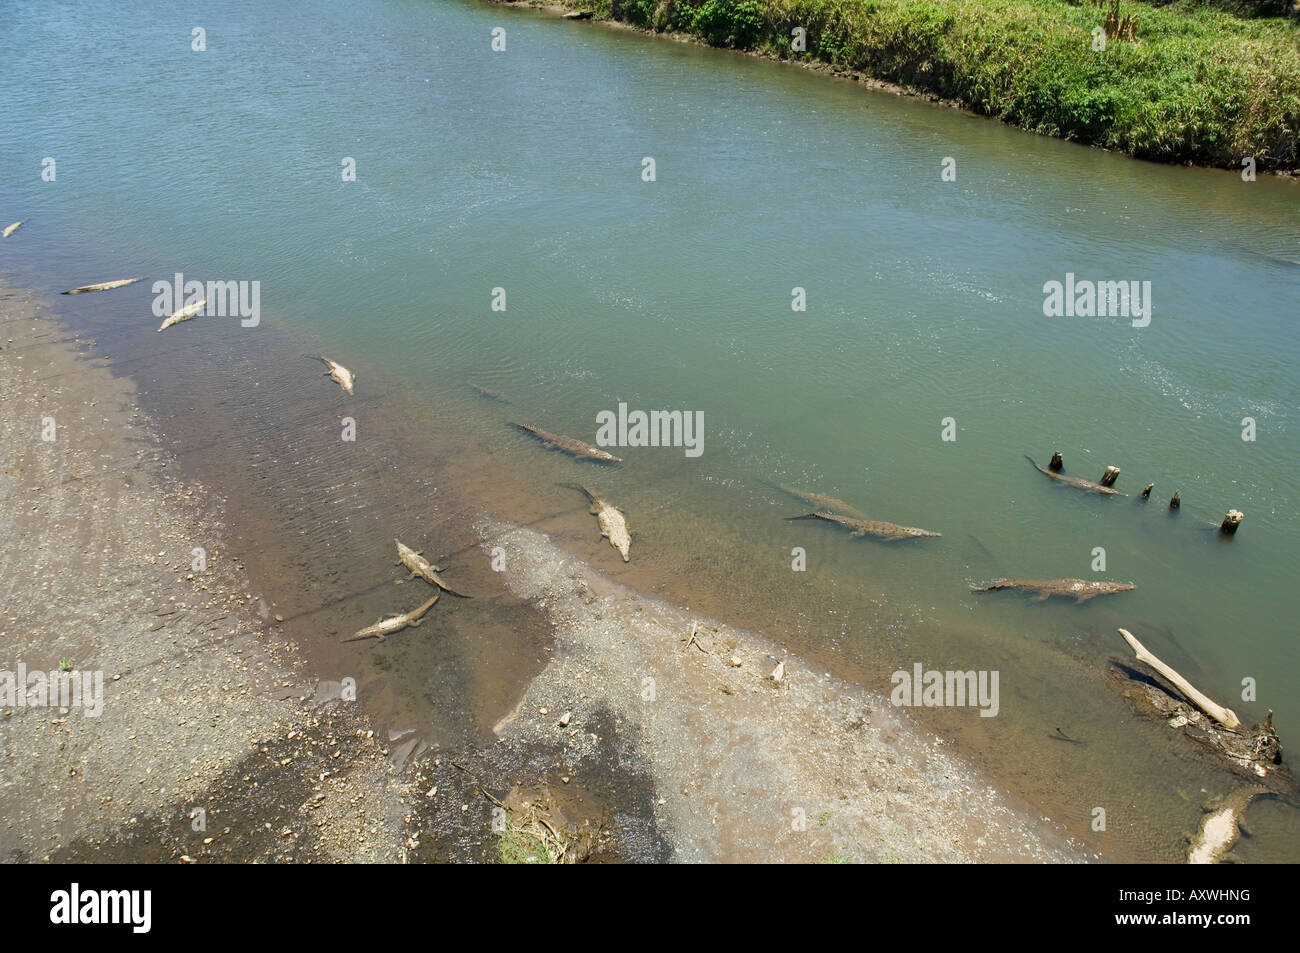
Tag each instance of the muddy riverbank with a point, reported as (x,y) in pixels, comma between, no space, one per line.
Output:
(208,742)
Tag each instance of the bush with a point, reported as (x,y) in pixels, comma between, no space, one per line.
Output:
(1202,85)
(729,23)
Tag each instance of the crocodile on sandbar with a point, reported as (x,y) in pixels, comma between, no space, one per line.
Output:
(610,519)
(886,531)
(1081,484)
(1081,589)
(104,286)
(395,623)
(419,566)
(569,445)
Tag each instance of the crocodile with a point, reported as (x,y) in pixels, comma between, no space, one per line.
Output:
(345,378)
(419,566)
(826,503)
(104,286)
(886,531)
(488,394)
(395,623)
(1081,589)
(1088,485)
(1221,826)
(10,229)
(612,522)
(570,446)
(184,314)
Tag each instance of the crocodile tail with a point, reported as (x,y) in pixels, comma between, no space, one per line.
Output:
(580,488)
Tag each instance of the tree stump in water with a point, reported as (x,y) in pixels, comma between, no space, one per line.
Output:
(1146,494)
(1056,464)
(1108,478)
(1231,522)
(1176,500)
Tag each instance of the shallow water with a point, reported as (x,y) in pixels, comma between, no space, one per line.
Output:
(522,170)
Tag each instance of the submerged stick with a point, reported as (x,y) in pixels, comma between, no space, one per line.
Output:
(1224,716)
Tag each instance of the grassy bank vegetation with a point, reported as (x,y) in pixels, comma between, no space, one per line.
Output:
(1179,82)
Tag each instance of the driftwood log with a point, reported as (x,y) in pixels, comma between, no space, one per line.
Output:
(1254,752)
(1146,494)
(1224,716)
(1056,464)
(1108,478)
(1230,522)
(1176,500)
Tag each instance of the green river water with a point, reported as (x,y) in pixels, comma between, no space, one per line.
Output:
(523,170)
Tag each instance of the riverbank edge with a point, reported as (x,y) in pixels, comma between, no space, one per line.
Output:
(562,9)
(210,743)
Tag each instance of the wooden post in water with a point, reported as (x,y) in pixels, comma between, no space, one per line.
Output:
(1108,478)
(1176,500)
(1146,494)
(1230,522)
(1056,464)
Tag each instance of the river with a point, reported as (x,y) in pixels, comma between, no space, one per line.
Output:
(919,374)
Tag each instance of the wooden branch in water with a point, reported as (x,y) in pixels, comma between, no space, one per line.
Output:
(1224,716)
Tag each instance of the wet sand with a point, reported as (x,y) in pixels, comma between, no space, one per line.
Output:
(747,768)
(217,705)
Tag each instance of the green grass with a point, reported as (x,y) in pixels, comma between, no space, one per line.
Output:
(1203,85)
(520,847)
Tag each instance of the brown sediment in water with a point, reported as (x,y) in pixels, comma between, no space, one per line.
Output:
(274,445)
(248,728)
(313,519)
